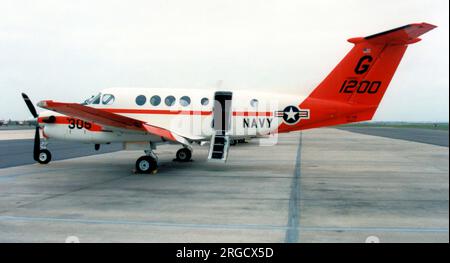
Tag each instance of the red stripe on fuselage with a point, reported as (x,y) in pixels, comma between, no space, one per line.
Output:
(184,112)
(146,111)
(251,113)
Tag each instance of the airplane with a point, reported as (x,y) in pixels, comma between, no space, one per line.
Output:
(143,118)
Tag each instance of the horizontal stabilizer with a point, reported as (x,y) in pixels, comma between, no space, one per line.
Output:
(401,35)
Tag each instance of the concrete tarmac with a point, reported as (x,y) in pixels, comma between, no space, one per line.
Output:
(20,152)
(435,137)
(6,135)
(324,185)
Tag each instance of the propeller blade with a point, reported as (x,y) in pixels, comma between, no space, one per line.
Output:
(30,105)
(37,144)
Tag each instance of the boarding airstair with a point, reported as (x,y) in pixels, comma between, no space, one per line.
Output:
(220,141)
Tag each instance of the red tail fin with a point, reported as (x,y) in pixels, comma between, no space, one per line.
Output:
(355,87)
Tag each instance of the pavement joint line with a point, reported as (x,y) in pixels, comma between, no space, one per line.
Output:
(292,231)
(378,229)
(223,226)
(143,223)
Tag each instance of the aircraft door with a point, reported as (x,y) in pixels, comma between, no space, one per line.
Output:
(222,111)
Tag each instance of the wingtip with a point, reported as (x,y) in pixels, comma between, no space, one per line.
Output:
(426,25)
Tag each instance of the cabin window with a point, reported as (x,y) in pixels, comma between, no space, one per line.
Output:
(108,99)
(92,100)
(185,101)
(254,103)
(170,100)
(155,100)
(140,100)
(204,101)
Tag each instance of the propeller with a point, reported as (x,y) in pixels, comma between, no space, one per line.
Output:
(30,105)
(37,139)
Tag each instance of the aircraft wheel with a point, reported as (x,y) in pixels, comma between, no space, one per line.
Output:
(44,156)
(184,155)
(146,164)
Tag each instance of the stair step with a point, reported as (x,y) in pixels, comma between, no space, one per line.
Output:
(217,155)
(219,146)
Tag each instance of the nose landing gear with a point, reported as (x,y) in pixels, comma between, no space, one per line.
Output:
(44,156)
(40,152)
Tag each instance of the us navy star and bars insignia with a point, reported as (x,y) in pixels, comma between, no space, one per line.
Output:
(292,114)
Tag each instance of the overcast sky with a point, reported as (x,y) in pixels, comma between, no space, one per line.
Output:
(68,50)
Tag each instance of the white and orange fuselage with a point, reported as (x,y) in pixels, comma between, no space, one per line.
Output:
(253,114)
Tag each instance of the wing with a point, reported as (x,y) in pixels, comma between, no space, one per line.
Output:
(110,119)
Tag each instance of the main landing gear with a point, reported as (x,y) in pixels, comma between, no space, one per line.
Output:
(148,164)
(184,155)
(236,141)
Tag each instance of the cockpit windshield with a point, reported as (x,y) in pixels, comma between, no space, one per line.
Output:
(94,99)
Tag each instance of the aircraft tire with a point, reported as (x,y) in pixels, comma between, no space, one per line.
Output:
(184,155)
(146,164)
(44,156)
